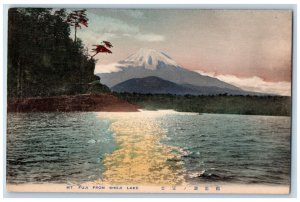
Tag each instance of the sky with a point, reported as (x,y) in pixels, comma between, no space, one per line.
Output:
(248,48)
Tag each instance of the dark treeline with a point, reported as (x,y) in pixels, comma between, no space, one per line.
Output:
(42,58)
(223,104)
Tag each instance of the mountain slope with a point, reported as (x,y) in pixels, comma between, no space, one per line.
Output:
(148,62)
(156,85)
(150,84)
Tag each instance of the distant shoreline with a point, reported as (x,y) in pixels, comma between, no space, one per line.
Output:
(213,104)
(132,102)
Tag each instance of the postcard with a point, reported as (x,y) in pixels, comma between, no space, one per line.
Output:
(115,100)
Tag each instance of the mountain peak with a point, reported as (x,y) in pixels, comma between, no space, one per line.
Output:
(148,58)
(148,62)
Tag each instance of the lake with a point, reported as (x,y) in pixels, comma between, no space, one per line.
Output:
(147,147)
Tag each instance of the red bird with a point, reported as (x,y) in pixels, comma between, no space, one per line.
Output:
(107,44)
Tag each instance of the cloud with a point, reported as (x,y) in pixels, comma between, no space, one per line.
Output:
(150,37)
(106,68)
(106,28)
(254,83)
(109,24)
(134,13)
(98,37)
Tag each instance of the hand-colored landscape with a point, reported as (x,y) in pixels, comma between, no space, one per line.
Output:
(122,100)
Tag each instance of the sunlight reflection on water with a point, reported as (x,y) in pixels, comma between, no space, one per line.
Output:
(140,158)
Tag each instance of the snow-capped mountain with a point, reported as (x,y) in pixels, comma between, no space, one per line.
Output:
(147,58)
(149,62)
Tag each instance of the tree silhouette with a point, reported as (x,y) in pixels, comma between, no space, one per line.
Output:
(77,17)
(43,60)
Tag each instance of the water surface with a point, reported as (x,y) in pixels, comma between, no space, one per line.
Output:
(148,147)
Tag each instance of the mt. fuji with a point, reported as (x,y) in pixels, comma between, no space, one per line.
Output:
(152,63)
(148,58)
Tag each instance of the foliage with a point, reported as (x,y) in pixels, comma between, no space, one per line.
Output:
(76,18)
(42,58)
(102,48)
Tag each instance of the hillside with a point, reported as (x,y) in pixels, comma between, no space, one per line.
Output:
(43,59)
(156,85)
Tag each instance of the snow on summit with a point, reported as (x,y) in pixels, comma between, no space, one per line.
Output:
(148,58)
